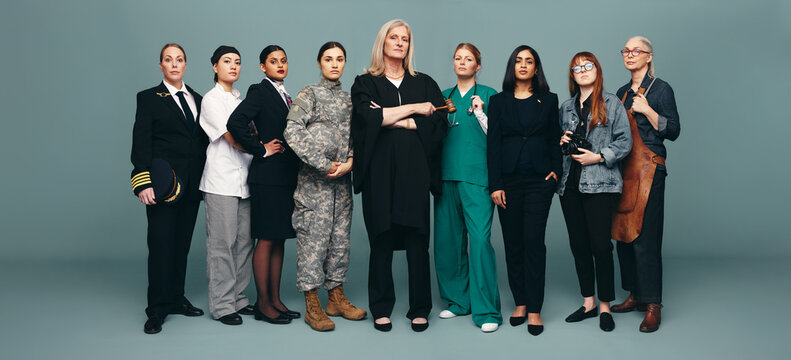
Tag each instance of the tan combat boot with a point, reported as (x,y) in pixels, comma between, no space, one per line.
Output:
(338,304)
(314,315)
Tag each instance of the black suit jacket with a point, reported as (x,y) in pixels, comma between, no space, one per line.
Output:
(161,131)
(508,134)
(265,108)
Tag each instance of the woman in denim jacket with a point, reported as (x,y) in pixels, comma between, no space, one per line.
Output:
(591,183)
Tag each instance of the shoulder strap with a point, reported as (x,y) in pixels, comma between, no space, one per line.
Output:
(644,91)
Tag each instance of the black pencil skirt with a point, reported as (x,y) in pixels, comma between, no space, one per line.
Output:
(271,208)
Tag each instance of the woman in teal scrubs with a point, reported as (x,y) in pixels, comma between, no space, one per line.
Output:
(467,280)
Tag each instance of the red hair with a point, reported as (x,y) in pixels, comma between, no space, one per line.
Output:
(598,109)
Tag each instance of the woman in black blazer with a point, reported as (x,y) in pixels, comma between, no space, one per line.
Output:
(524,159)
(272,179)
(166,128)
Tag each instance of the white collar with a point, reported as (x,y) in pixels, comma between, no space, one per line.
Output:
(235,93)
(173,91)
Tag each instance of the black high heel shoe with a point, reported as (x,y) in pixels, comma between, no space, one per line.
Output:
(517,320)
(383,327)
(419,327)
(535,330)
(279,320)
(289,314)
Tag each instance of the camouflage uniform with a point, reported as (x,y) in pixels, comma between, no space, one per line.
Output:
(318,130)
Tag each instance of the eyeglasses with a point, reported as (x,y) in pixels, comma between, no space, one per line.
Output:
(636,52)
(578,69)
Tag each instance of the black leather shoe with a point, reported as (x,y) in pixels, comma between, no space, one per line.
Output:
(606,322)
(535,330)
(153,324)
(187,310)
(420,327)
(517,320)
(279,320)
(289,314)
(231,319)
(247,310)
(383,327)
(580,314)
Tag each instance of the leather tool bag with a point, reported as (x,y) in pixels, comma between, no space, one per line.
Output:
(638,176)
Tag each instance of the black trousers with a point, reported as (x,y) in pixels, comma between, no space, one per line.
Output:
(524,223)
(381,293)
(641,261)
(588,220)
(170,230)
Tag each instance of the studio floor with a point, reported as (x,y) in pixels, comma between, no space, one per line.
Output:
(721,308)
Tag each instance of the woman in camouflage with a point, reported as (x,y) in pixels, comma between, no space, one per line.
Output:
(318,131)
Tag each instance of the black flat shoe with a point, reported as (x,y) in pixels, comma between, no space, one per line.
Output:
(517,320)
(231,319)
(581,314)
(383,327)
(247,310)
(420,327)
(153,324)
(606,322)
(535,330)
(289,314)
(279,320)
(187,310)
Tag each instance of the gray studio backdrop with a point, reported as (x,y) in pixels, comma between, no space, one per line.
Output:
(71,71)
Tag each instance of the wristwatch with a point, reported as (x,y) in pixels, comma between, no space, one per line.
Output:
(602,158)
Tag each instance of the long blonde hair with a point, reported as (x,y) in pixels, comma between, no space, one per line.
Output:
(649,48)
(377,67)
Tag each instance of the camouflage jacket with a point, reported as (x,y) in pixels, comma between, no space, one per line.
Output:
(318,125)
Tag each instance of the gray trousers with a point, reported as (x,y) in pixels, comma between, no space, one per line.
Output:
(229,253)
(322,219)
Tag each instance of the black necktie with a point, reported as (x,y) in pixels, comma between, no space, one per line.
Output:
(187,112)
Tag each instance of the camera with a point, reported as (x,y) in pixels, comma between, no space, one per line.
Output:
(572,147)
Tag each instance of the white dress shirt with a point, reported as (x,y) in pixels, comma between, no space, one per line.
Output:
(187,96)
(226,168)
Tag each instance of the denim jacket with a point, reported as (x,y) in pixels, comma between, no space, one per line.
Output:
(612,140)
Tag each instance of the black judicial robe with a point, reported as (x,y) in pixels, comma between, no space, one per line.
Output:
(396,168)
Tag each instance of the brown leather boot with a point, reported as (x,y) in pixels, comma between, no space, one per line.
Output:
(338,304)
(653,316)
(626,306)
(314,315)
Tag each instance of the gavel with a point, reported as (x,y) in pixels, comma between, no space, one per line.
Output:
(448,105)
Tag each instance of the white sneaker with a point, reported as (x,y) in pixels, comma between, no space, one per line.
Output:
(446,314)
(489,327)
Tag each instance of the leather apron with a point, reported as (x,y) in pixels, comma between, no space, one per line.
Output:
(638,176)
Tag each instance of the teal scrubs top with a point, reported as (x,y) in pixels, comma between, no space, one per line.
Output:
(464,146)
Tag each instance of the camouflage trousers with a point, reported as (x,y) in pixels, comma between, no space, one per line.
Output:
(322,219)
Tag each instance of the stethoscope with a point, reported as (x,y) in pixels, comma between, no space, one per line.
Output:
(469,110)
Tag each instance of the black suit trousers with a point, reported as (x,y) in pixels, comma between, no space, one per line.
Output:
(589,221)
(641,260)
(381,292)
(524,223)
(170,230)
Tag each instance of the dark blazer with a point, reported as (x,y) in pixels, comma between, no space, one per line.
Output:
(161,131)
(508,134)
(265,108)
